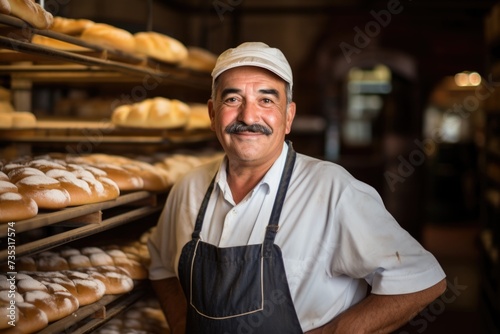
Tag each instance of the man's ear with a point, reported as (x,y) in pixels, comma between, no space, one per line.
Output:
(290,115)
(211,114)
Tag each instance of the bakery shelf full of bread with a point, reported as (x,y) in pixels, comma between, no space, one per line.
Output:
(101,48)
(76,287)
(155,123)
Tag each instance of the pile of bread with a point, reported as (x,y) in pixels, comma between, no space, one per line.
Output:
(52,285)
(30,184)
(144,316)
(53,182)
(161,113)
(150,44)
(11,119)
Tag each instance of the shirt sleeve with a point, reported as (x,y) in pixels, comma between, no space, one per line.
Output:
(373,246)
(161,265)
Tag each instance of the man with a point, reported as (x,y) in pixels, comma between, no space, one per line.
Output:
(270,241)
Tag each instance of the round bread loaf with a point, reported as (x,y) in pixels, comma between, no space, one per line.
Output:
(7,314)
(101,259)
(7,187)
(78,189)
(111,190)
(78,261)
(51,263)
(45,191)
(46,165)
(56,301)
(89,290)
(115,279)
(26,283)
(4,177)
(26,263)
(31,319)
(160,47)
(109,36)
(19,172)
(68,252)
(16,207)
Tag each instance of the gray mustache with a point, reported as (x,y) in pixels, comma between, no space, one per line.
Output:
(238,127)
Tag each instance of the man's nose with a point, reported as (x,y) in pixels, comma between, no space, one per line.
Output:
(249,113)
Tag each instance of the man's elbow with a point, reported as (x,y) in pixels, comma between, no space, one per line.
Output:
(441,287)
(436,290)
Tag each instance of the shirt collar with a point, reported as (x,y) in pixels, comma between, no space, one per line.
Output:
(271,180)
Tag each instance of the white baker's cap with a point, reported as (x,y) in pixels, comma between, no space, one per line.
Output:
(254,54)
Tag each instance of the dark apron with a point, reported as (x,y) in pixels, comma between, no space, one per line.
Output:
(243,289)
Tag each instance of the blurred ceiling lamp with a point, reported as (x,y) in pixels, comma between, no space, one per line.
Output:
(466,79)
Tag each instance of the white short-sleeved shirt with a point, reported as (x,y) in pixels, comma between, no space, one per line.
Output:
(335,235)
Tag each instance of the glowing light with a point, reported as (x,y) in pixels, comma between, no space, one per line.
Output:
(465,79)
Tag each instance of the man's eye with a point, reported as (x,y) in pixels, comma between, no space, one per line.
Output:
(267,101)
(231,100)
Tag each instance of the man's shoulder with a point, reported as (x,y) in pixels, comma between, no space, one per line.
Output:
(200,175)
(312,165)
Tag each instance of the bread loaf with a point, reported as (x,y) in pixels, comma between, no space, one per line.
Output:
(160,47)
(109,36)
(199,59)
(154,179)
(198,117)
(29,11)
(160,113)
(15,207)
(124,179)
(115,279)
(78,189)
(45,191)
(30,319)
(54,300)
(7,187)
(23,120)
(87,257)
(84,288)
(17,120)
(70,26)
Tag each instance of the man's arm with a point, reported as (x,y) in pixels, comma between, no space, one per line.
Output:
(382,313)
(173,303)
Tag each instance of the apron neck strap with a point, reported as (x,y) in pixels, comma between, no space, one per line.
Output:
(272,227)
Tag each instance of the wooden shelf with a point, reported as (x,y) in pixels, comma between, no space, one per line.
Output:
(71,132)
(89,317)
(46,64)
(83,220)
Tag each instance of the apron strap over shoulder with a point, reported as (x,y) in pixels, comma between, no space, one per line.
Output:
(203,209)
(272,227)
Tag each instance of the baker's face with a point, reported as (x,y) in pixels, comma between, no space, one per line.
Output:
(250,114)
